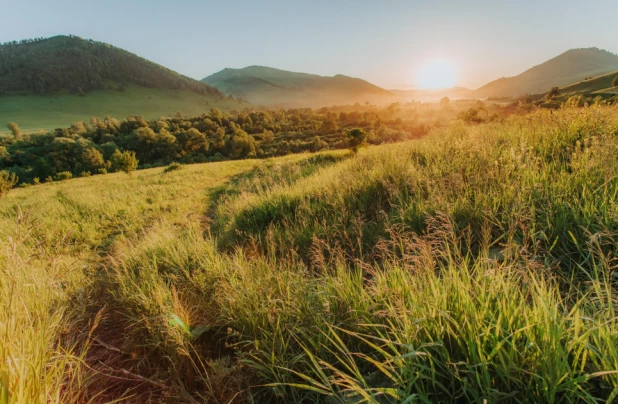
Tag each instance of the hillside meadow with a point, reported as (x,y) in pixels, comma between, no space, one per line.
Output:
(44,112)
(474,264)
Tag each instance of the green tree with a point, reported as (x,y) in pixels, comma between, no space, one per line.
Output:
(4,155)
(357,138)
(241,145)
(329,126)
(14,128)
(615,82)
(318,144)
(90,160)
(553,93)
(7,182)
(191,141)
(124,161)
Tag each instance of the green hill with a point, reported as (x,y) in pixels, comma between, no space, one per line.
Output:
(52,82)
(274,87)
(572,66)
(476,264)
(597,85)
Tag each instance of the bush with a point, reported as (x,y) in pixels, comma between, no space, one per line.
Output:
(357,138)
(172,167)
(615,82)
(102,171)
(64,175)
(553,93)
(7,182)
(125,161)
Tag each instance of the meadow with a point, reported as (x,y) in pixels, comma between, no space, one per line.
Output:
(474,264)
(44,112)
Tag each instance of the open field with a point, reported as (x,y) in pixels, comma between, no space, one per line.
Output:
(46,112)
(476,263)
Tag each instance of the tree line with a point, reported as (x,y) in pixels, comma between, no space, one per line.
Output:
(101,146)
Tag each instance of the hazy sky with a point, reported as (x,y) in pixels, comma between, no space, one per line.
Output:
(384,42)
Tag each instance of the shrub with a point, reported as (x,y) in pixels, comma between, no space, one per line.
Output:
(49,179)
(14,128)
(172,167)
(7,181)
(553,93)
(102,171)
(64,175)
(357,138)
(615,82)
(125,161)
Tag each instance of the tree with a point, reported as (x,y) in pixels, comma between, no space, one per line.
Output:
(445,101)
(4,155)
(125,161)
(329,126)
(14,128)
(554,92)
(318,144)
(7,182)
(615,82)
(356,139)
(241,145)
(191,141)
(90,160)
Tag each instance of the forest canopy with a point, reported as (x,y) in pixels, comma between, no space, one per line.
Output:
(87,148)
(47,66)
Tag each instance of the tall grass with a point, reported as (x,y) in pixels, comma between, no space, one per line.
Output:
(476,264)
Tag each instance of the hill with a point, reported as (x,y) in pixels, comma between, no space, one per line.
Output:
(274,87)
(597,85)
(61,63)
(52,82)
(572,66)
(446,269)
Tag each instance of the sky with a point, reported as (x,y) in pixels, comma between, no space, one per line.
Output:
(385,42)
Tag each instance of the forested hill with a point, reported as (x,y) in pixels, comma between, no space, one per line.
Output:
(70,63)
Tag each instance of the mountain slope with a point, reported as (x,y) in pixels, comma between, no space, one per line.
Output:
(268,86)
(572,66)
(597,85)
(53,82)
(70,63)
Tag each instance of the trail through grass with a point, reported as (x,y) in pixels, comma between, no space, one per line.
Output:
(475,264)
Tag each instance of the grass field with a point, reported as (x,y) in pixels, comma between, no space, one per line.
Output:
(34,112)
(477,263)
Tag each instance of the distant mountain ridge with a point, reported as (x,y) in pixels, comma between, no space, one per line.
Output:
(570,67)
(275,87)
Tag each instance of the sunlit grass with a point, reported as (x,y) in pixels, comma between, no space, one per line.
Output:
(475,264)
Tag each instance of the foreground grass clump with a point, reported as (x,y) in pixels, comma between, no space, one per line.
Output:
(475,264)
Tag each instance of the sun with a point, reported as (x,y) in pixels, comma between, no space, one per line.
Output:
(436,74)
